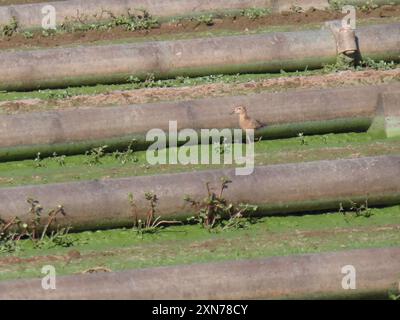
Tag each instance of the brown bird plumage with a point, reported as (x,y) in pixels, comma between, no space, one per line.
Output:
(245,122)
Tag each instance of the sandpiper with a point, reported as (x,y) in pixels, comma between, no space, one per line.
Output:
(245,122)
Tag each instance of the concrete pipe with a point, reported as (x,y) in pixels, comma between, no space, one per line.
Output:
(315,276)
(72,131)
(274,189)
(271,52)
(31,15)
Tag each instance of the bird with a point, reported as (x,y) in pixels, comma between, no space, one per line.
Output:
(245,122)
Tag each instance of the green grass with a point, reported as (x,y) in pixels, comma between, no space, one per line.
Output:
(122,249)
(76,168)
(134,83)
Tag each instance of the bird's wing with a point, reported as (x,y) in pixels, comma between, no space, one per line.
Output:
(257,124)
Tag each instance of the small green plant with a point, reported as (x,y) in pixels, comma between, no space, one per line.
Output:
(131,22)
(361,209)
(127,156)
(368,6)
(343,63)
(356,210)
(149,82)
(255,13)
(57,237)
(378,65)
(134,80)
(94,155)
(48,32)
(38,161)
(215,211)
(207,19)
(302,139)
(27,34)
(58,95)
(59,159)
(13,231)
(394,295)
(8,237)
(9,29)
(336,5)
(152,224)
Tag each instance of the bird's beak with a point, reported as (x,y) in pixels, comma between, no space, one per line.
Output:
(232,112)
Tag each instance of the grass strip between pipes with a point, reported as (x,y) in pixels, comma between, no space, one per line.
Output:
(123,249)
(58,168)
(54,95)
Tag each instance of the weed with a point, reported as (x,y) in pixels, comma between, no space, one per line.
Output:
(57,237)
(394,295)
(35,212)
(152,224)
(149,82)
(48,32)
(361,210)
(215,211)
(9,29)
(368,6)
(343,63)
(302,139)
(336,5)
(207,19)
(13,231)
(9,238)
(57,95)
(131,22)
(134,80)
(27,34)
(127,156)
(255,13)
(38,161)
(378,65)
(94,155)
(59,159)
(356,210)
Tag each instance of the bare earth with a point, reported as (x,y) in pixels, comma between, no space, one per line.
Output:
(343,78)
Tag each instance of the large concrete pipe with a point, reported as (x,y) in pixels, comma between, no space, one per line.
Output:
(31,15)
(274,189)
(286,114)
(271,52)
(377,272)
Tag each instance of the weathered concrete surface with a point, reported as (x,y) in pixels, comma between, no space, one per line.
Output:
(391,112)
(286,188)
(270,52)
(302,276)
